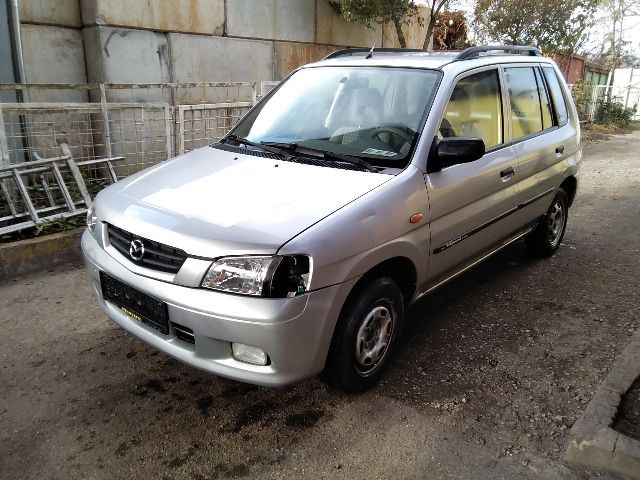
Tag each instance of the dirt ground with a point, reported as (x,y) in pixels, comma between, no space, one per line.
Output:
(494,369)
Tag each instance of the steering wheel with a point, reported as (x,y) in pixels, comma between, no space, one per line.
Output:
(394,131)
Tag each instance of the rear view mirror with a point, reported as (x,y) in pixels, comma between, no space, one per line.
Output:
(455,150)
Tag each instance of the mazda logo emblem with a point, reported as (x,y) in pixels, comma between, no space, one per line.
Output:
(136,249)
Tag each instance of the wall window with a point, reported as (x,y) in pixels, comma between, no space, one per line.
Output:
(475,109)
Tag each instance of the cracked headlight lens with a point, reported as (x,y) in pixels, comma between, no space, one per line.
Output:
(266,276)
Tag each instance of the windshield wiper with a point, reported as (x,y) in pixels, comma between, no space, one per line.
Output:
(268,148)
(325,154)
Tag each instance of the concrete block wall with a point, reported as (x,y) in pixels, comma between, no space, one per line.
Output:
(156,41)
(162,41)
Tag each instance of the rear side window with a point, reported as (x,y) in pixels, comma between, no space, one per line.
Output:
(556,94)
(526,110)
(545,103)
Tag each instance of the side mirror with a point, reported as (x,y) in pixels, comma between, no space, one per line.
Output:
(455,150)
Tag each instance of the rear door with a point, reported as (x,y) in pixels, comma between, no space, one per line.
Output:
(541,136)
(472,204)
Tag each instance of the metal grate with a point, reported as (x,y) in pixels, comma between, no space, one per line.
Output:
(156,256)
(184,333)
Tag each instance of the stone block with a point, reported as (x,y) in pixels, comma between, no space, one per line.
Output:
(331,29)
(195,58)
(54,55)
(292,20)
(414,32)
(120,55)
(51,12)
(289,56)
(26,256)
(189,16)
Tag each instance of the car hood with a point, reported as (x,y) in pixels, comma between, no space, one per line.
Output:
(211,202)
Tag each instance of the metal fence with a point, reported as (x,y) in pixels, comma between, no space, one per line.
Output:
(588,97)
(107,131)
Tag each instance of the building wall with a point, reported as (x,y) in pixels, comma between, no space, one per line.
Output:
(155,41)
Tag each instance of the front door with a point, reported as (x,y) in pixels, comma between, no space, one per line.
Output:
(471,204)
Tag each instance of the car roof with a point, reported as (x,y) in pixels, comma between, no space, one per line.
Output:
(440,60)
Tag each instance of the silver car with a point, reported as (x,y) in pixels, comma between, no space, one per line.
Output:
(295,245)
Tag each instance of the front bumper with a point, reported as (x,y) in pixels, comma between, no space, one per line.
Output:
(295,332)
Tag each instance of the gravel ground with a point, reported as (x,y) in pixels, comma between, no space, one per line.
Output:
(494,370)
(628,419)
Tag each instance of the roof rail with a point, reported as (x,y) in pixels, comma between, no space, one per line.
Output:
(474,52)
(351,51)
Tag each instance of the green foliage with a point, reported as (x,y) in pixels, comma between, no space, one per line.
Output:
(582,96)
(60,224)
(552,26)
(613,112)
(368,12)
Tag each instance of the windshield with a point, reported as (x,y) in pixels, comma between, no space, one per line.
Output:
(370,113)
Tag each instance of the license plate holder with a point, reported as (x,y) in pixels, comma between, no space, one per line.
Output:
(136,304)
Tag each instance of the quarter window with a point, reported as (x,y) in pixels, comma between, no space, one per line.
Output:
(556,94)
(475,109)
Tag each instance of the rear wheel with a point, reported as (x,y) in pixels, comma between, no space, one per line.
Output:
(546,238)
(368,329)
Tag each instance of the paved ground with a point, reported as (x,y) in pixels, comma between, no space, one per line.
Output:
(628,419)
(495,368)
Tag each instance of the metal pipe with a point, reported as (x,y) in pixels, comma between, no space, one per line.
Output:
(18,60)
(17,42)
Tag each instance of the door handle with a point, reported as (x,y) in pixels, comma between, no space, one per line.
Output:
(560,150)
(506,173)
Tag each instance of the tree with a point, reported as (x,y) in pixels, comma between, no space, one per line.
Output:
(558,27)
(450,32)
(368,12)
(616,12)
(435,7)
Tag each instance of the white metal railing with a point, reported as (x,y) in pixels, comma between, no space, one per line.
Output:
(137,124)
(588,97)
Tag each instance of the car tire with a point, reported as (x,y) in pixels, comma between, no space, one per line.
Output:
(368,329)
(547,236)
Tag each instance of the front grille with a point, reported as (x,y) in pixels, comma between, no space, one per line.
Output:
(157,256)
(184,333)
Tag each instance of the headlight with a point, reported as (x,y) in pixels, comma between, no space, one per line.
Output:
(92,220)
(265,276)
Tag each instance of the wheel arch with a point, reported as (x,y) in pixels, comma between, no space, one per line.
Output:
(570,185)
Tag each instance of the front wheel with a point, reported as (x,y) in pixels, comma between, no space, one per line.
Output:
(368,329)
(546,238)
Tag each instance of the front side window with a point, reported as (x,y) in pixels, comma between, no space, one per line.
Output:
(475,109)
(371,113)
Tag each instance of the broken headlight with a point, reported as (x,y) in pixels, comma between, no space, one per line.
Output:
(264,276)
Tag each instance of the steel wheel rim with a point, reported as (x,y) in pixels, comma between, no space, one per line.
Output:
(555,224)
(373,339)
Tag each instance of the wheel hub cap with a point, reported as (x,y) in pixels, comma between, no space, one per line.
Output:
(556,224)
(373,339)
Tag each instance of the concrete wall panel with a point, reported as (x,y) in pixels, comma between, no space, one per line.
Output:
(289,56)
(119,55)
(292,20)
(189,16)
(195,58)
(332,29)
(51,12)
(54,55)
